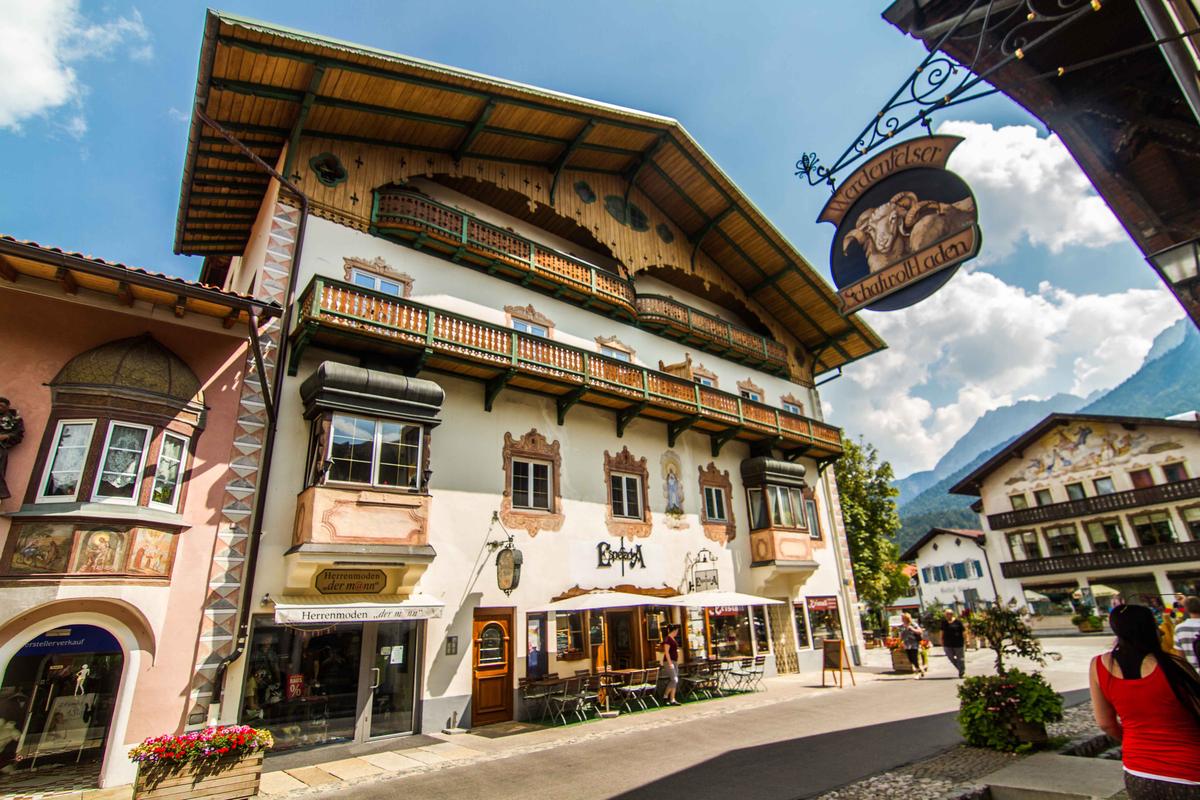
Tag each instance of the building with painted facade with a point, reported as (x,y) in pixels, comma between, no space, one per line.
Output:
(127,385)
(1087,510)
(518,321)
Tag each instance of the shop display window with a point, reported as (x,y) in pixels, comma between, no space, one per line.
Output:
(569,634)
(799,612)
(302,684)
(1055,600)
(824,619)
(536,657)
(696,633)
(762,633)
(729,632)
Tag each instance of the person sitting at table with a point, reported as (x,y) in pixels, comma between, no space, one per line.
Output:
(670,654)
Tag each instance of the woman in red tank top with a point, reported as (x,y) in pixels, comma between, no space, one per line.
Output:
(1150,702)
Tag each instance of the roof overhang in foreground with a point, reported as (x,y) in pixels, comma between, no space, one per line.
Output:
(271,85)
(22,260)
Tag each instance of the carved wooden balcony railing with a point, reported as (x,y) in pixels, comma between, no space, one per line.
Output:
(671,318)
(1105,559)
(1133,498)
(426,224)
(415,336)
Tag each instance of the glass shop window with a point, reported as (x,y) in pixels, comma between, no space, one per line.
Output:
(376,452)
(823,616)
(729,632)
(801,617)
(568,629)
(762,632)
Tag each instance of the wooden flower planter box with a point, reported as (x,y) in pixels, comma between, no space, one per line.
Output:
(223,779)
(900,662)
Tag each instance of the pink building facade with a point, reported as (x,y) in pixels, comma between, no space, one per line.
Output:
(128,387)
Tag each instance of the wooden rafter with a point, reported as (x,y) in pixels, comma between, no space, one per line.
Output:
(561,163)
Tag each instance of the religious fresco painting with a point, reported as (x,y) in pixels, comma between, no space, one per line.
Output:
(1085,446)
(41,547)
(672,471)
(101,550)
(151,553)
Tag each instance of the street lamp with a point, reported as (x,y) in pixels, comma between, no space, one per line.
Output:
(1179,266)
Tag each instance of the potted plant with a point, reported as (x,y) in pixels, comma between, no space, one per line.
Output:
(1008,710)
(1087,622)
(900,662)
(224,757)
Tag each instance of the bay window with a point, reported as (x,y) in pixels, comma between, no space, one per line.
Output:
(66,460)
(121,463)
(169,472)
(376,452)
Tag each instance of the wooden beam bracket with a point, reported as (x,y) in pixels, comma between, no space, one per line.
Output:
(566,401)
(66,280)
(675,429)
(469,138)
(8,271)
(719,440)
(628,415)
(493,387)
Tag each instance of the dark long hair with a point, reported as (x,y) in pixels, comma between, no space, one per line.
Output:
(1137,636)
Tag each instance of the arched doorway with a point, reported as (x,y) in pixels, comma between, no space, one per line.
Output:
(57,698)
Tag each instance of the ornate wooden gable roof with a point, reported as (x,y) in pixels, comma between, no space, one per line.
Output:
(273,86)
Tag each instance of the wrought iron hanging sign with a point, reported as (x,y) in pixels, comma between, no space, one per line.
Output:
(607,555)
(508,569)
(904,224)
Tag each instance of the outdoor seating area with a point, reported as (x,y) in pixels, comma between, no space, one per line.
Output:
(585,695)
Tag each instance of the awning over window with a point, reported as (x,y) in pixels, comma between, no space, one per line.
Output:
(357,390)
(355,608)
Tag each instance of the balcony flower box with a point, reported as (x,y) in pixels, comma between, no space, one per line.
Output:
(224,761)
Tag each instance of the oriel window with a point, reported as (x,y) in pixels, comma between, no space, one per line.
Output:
(64,465)
(375,452)
(121,465)
(169,472)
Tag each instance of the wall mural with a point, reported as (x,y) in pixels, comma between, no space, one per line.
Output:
(1084,446)
(672,472)
(42,548)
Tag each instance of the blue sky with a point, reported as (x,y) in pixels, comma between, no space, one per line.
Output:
(1058,301)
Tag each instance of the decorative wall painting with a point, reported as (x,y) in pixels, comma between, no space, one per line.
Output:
(1084,446)
(101,550)
(672,470)
(42,548)
(150,553)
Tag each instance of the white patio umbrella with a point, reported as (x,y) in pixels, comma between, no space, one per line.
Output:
(1100,590)
(594,601)
(715,598)
(1034,597)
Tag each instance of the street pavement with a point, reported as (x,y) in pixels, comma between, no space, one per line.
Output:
(794,741)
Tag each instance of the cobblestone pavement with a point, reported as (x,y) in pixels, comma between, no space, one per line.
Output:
(938,776)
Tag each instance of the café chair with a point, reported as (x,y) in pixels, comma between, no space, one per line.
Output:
(566,698)
(757,672)
(650,688)
(629,690)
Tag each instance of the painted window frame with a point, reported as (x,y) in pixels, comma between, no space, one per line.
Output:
(52,451)
(377,441)
(716,491)
(530,463)
(180,476)
(625,477)
(141,469)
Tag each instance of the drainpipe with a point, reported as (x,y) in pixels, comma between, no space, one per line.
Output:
(982,544)
(271,398)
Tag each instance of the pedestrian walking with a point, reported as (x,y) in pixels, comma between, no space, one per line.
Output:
(1148,701)
(911,635)
(954,635)
(670,659)
(1187,633)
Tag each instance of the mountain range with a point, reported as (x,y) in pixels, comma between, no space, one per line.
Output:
(1167,383)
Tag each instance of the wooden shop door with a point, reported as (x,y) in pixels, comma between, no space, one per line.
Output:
(492,682)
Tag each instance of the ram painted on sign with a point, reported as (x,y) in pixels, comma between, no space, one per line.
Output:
(904,224)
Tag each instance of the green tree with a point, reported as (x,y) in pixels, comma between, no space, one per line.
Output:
(869,515)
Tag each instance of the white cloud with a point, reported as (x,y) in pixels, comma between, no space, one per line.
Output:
(979,344)
(1028,188)
(40,42)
